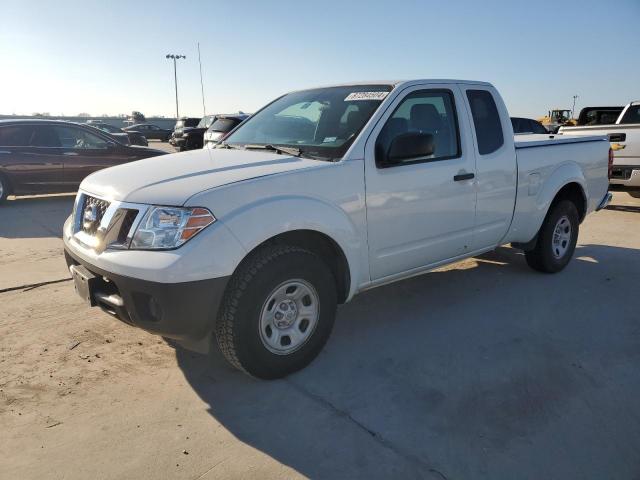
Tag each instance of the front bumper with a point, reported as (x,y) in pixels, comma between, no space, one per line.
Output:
(182,311)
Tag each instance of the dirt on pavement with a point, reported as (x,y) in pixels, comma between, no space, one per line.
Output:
(483,369)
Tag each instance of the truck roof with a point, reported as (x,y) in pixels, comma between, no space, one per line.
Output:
(404,83)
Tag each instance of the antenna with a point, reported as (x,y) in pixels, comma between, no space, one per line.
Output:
(204,110)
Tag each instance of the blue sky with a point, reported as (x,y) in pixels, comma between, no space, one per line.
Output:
(109,56)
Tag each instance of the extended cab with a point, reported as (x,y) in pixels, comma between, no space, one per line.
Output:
(624,136)
(320,195)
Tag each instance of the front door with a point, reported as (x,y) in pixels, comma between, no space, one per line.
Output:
(420,211)
(85,152)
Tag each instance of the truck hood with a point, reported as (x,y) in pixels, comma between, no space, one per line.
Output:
(172,179)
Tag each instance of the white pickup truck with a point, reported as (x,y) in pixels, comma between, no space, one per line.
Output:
(624,136)
(320,195)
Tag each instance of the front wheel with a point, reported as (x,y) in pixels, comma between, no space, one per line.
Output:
(556,240)
(278,312)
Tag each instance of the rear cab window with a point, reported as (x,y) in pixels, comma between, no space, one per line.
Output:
(223,125)
(486,121)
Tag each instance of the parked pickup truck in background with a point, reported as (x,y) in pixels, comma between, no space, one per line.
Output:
(624,136)
(320,195)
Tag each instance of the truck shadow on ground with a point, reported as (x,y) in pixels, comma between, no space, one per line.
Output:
(624,208)
(35,217)
(484,370)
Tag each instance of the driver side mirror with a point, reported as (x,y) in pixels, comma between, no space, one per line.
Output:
(409,146)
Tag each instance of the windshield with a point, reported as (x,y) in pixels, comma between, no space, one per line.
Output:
(106,128)
(205,121)
(321,122)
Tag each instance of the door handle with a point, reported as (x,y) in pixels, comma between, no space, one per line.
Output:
(463,176)
(617,137)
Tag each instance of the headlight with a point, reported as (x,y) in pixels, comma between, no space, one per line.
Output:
(170,227)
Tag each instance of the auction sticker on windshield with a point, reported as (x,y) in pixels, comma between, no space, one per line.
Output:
(366,96)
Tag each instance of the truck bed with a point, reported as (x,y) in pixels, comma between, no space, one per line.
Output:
(545,162)
(536,140)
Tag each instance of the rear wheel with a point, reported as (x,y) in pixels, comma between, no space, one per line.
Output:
(556,240)
(278,312)
(635,193)
(4,189)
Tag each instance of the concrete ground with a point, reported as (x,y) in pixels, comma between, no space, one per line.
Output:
(483,370)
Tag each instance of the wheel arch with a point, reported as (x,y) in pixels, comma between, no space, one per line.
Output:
(322,245)
(574,192)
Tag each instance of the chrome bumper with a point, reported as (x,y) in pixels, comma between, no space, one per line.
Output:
(605,201)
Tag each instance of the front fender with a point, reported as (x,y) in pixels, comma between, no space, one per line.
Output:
(255,223)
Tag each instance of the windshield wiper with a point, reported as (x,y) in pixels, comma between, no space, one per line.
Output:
(227,145)
(296,152)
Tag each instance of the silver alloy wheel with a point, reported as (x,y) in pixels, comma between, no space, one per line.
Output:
(289,316)
(561,237)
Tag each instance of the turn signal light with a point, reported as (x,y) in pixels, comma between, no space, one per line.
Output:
(199,219)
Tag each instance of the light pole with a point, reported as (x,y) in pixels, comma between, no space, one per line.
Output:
(574,106)
(175,57)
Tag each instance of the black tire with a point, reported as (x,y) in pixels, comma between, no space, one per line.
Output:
(238,324)
(4,189)
(544,256)
(634,193)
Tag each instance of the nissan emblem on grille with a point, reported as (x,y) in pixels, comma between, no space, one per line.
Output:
(89,216)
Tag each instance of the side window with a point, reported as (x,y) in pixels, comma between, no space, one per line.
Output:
(15,136)
(153,127)
(77,138)
(632,115)
(486,121)
(44,136)
(425,111)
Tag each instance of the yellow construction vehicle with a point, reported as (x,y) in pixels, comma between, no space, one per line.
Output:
(557,118)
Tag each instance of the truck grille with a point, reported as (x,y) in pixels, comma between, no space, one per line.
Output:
(91,212)
(101,224)
(125,226)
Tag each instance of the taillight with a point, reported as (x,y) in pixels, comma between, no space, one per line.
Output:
(610,163)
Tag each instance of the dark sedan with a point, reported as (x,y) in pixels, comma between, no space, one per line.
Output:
(49,156)
(150,131)
(130,137)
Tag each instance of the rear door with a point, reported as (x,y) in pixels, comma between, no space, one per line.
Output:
(30,156)
(85,152)
(496,170)
(422,211)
